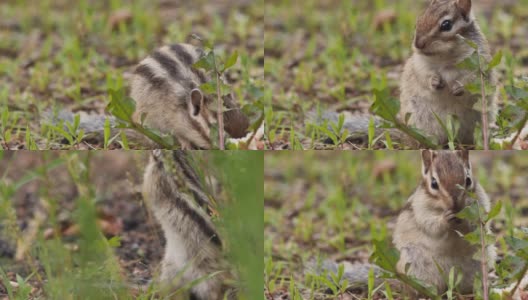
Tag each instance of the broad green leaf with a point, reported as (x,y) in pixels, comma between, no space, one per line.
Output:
(516,93)
(470,213)
(120,106)
(206,62)
(495,61)
(385,106)
(231,61)
(495,210)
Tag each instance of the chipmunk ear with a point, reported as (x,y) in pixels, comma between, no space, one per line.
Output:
(427,161)
(465,8)
(196,102)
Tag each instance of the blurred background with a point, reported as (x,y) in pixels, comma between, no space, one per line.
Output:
(333,204)
(74,225)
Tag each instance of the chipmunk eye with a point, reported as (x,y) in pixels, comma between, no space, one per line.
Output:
(468,182)
(434,184)
(447,25)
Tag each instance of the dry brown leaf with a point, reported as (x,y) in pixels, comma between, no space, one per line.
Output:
(118,17)
(383,17)
(383,167)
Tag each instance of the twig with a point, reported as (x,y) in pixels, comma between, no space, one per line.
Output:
(418,137)
(259,122)
(524,273)
(524,122)
(220,106)
(150,135)
(483,260)
(484,105)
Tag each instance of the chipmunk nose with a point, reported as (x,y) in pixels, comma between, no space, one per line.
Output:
(419,43)
(458,201)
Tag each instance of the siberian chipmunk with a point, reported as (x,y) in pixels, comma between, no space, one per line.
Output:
(166,89)
(431,82)
(426,229)
(193,250)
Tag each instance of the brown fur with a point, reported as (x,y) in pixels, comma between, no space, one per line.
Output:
(432,84)
(426,233)
(193,248)
(162,88)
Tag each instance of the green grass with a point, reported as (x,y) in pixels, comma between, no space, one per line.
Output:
(67,55)
(318,204)
(332,55)
(73,225)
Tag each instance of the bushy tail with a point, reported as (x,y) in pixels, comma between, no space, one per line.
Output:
(357,126)
(355,275)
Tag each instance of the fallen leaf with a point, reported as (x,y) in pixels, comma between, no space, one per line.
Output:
(119,17)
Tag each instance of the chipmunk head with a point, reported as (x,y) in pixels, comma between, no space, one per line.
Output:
(200,120)
(202,110)
(446,178)
(437,28)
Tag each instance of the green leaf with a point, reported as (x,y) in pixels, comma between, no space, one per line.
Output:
(516,244)
(494,211)
(385,106)
(231,61)
(516,93)
(371,132)
(472,44)
(495,61)
(470,213)
(114,242)
(385,256)
(206,62)
(473,88)
(470,63)
(106,132)
(120,106)
(473,237)
(208,87)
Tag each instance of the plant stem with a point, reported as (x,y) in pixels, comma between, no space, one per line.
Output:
(484,104)
(419,288)
(524,122)
(483,259)
(524,273)
(150,135)
(418,137)
(220,112)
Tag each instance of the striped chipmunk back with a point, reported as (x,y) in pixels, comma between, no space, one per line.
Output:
(193,247)
(166,88)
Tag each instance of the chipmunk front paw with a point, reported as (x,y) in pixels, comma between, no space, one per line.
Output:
(457,89)
(436,82)
(449,216)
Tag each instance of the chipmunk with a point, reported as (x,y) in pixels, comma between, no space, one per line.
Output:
(193,249)
(166,89)
(427,229)
(431,83)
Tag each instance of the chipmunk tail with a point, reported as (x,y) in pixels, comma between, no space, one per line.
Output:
(356,125)
(355,276)
(92,125)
